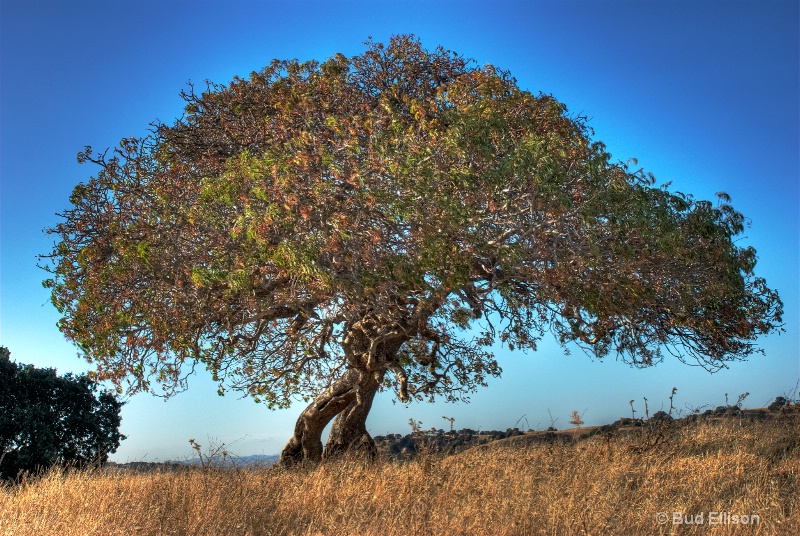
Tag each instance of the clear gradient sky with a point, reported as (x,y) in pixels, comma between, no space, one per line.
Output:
(703,93)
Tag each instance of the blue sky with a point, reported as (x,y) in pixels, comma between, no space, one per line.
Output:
(704,94)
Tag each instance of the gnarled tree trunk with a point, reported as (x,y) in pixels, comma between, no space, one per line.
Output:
(306,443)
(349,430)
(349,399)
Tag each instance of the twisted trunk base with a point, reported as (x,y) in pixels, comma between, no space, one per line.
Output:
(349,399)
(349,430)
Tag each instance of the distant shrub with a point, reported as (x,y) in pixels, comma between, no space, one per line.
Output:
(778,404)
(659,416)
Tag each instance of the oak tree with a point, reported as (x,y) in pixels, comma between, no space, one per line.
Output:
(47,419)
(327,230)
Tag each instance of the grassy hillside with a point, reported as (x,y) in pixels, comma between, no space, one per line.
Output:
(615,482)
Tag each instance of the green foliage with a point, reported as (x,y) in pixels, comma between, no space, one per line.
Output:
(398,211)
(47,419)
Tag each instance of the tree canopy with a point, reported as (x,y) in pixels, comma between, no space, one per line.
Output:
(47,419)
(329,229)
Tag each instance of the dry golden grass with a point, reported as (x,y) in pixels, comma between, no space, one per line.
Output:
(597,486)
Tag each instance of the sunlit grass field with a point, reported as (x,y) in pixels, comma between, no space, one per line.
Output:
(731,476)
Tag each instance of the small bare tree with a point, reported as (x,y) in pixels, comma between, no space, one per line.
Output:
(576,418)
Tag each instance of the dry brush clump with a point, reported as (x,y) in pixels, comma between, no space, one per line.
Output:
(605,484)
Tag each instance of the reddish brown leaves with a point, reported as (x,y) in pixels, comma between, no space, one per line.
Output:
(397,196)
